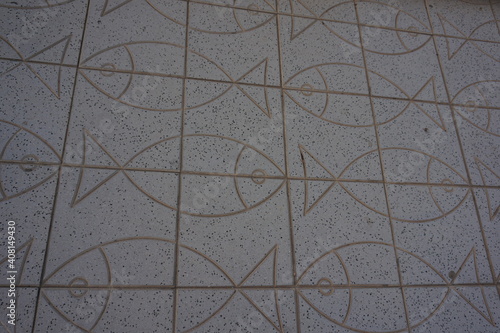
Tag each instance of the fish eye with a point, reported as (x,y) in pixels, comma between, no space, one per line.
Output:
(414,30)
(28,163)
(326,285)
(258,176)
(307,86)
(253,7)
(77,287)
(470,106)
(449,182)
(108,66)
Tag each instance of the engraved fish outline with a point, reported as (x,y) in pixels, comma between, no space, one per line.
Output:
(132,71)
(431,83)
(72,287)
(432,159)
(21,129)
(123,168)
(328,289)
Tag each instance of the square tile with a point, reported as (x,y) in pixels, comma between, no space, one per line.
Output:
(239,48)
(487,205)
(419,144)
(470,20)
(466,63)
(233,129)
(317,43)
(480,141)
(42,31)
(331,215)
(327,149)
(136,33)
(404,15)
(207,310)
(432,245)
(248,219)
(401,67)
(437,309)
(35,105)
(134,213)
(104,131)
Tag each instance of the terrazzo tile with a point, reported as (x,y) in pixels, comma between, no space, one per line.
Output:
(402,67)
(258,232)
(36,101)
(329,215)
(472,19)
(104,310)
(230,50)
(25,309)
(235,129)
(105,132)
(42,31)
(439,309)
(33,189)
(420,143)
(247,166)
(158,33)
(433,249)
(331,150)
(336,10)
(405,15)
(111,223)
(317,43)
(468,63)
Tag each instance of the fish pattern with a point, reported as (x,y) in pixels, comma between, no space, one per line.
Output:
(212,133)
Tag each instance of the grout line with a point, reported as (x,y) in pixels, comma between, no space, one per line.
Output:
(181,166)
(388,206)
(261,287)
(249,176)
(287,88)
(462,151)
(319,19)
(287,173)
(60,169)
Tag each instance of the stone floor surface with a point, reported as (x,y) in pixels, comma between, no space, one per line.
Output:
(250,165)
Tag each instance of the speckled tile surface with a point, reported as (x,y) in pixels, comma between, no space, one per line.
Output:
(250,166)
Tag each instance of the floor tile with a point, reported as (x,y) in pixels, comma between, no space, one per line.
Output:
(425,240)
(472,19)
(230,50)
(250,166)
(142,224)
(42,32)
(36,105)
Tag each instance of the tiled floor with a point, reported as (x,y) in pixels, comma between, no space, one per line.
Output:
(251,165)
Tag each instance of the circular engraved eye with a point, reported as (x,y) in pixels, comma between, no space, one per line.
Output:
(253,7)
(447,181)
(258,176)
(307,86)
(326,287)
(470,106)
(107,66)
(413,30)
(28,163)
(78,287)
